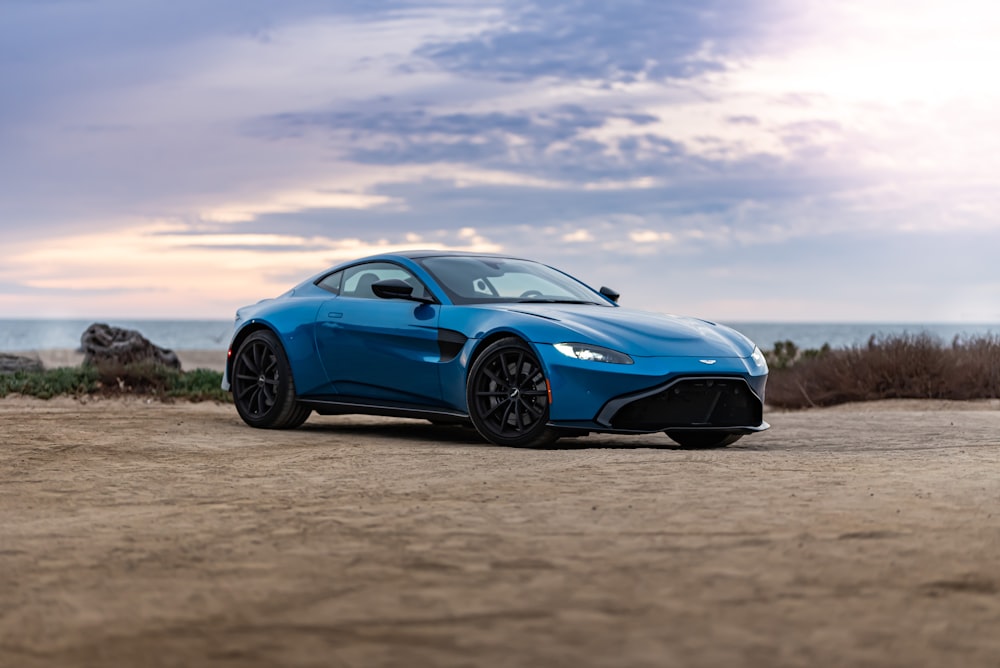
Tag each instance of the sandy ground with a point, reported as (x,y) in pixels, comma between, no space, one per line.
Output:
(190,359)
(144,534)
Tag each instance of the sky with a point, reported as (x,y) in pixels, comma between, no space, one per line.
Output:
(802,161)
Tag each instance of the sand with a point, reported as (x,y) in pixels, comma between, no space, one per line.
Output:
(146,534)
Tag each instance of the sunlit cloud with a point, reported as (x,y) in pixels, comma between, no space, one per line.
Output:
(649,236)
(578,236)
(158,269)
(287,202)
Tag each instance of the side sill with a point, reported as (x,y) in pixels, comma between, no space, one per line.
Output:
(356,407)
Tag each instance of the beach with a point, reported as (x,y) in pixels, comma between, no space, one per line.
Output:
(165,534)
(52,358)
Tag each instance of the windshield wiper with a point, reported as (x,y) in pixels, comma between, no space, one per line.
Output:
(555,301)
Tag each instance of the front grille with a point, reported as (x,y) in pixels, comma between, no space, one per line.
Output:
(694,402)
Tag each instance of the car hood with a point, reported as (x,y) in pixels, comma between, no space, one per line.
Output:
(637,333)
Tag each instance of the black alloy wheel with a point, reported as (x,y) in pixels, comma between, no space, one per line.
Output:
(263,388)
(508,396)
(703,439)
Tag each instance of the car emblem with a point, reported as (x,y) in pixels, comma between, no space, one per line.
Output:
(707,361)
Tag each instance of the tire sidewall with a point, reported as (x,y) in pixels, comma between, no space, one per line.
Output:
(283,391)
(539,433)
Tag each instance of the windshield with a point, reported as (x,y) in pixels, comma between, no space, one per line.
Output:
(481,280)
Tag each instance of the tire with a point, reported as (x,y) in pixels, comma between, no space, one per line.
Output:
(508,396)
(263,387)
(703,439)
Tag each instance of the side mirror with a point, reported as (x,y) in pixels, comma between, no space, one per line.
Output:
(610,294)
(394,288)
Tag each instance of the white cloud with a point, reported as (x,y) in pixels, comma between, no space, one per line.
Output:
(578,236)
(649,236)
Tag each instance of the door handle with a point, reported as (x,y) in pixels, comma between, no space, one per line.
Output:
(334,314)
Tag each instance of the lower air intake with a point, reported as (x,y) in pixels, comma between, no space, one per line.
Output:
(696,402)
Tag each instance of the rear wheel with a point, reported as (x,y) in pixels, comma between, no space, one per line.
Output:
(263,388)
(508,396)
(703,439)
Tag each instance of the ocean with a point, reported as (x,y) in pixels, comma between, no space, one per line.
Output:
(21,335)
(17,335)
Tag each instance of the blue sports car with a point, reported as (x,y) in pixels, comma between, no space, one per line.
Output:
(522,351)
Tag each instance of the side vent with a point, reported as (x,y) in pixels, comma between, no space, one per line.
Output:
(450,343)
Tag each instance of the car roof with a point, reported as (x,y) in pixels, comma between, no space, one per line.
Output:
(417,254)
(405,254)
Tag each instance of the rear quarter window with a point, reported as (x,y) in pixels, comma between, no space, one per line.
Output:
(331,282)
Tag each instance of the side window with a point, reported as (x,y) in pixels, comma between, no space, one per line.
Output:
(358,279)
(331,282)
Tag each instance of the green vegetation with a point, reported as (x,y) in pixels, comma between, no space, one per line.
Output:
(199,385)
(785,354)
(50,383)
(893,367)
(145,380)
(908,366)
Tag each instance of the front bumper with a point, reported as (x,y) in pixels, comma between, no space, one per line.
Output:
(655,394)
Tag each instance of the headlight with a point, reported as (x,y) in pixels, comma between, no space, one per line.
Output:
(585,351)
(758,359)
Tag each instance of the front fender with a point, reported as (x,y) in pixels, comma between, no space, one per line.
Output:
(293,322)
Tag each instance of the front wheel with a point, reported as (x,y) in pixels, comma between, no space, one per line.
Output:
(508,396)
(703,439)
(263,388)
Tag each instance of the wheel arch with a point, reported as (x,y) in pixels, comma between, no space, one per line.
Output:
(492,338)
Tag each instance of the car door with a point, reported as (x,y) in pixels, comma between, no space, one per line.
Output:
(380,349)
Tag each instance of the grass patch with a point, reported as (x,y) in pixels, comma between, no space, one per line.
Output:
(118,380)
(906,366)
(51,383)
(199,385)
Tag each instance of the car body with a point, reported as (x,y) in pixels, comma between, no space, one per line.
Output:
(524,352)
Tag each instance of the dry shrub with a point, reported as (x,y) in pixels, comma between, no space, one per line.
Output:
(139,378)
(151,379)
(975,371)
(906,366)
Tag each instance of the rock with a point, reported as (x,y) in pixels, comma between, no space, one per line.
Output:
(104,345)
(13,363)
